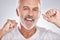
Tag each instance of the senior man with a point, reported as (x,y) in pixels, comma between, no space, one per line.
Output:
(28,12)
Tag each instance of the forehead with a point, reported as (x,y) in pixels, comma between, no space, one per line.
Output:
(31,3)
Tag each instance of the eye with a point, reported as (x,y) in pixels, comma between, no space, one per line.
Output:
(25,8)
(35,9)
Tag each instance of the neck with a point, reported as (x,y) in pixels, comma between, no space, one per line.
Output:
(27,33)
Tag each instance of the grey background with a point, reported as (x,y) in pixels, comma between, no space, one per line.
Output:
(8,7)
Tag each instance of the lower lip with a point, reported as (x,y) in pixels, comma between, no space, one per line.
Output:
(28,21)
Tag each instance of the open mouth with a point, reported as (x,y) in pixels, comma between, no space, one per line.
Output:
(29,19)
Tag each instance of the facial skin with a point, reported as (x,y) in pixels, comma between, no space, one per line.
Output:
(28,13)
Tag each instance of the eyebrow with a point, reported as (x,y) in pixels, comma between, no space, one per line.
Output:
(28,7)
(25,7)
(35,8)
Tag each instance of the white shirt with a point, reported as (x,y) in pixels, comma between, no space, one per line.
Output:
(40,34)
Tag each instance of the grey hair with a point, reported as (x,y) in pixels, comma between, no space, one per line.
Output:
(18,3)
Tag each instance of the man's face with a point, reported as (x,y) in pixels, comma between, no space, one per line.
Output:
(28,11)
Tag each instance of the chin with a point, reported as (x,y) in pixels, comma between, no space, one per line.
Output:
(27,27)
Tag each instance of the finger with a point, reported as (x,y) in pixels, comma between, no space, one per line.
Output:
(14,24)
(45,17)
(14,21)
(48,14)
(53,13)
(10,23)
(11,27)
(7,23)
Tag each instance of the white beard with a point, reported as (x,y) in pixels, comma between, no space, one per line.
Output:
(26,26)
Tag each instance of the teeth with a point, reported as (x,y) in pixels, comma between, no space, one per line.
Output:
(29,19)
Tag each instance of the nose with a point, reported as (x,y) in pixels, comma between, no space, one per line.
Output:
(30,13)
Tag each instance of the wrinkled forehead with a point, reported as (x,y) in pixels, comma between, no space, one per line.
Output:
(29,2)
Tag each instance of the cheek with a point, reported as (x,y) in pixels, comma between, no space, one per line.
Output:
(24,13)
(36,15)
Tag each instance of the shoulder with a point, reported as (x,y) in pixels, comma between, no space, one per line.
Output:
(48,34)
(42,29)
(53,35)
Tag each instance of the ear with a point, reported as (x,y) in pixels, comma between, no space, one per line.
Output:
(17,12)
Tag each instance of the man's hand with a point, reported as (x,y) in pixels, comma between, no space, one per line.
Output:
(9,26)
(53,16)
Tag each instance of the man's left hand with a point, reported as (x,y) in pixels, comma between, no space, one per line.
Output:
(53,16)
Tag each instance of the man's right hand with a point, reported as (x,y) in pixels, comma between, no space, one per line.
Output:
(8,26)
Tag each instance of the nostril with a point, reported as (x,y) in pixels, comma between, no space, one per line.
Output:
(30,14)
